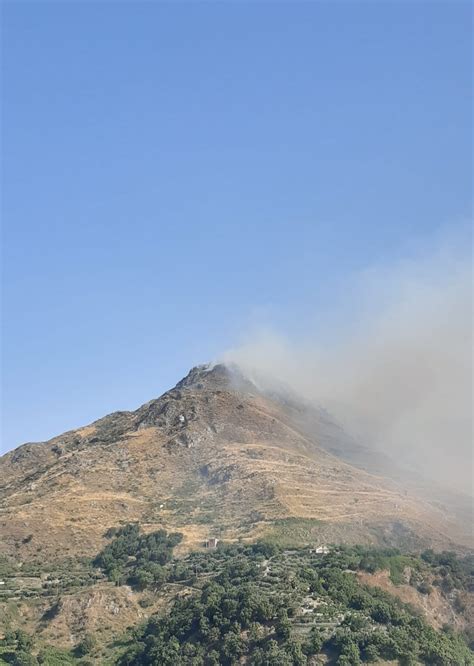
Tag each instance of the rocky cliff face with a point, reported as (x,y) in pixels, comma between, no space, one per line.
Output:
(214,456)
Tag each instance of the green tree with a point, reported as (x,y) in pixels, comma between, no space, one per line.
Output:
(294,649)
(283,626)
(232,647)
(371,653)
(314,643)
(350,655)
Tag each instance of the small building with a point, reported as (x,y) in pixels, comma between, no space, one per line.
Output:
(211,543)
(320,550)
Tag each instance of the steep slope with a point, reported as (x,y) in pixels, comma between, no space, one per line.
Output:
(212,457)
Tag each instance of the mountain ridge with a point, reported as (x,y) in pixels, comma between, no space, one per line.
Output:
(213,456)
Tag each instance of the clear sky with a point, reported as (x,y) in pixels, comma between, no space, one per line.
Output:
(173,171)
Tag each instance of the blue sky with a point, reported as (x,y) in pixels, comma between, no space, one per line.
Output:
(174,172)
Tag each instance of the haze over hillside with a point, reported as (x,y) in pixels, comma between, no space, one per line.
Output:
(391,359)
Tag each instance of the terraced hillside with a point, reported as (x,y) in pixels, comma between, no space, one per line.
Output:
(251,604)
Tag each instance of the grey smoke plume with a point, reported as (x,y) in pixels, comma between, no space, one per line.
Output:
(398,374)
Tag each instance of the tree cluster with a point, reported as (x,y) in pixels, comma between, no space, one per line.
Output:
(137,559)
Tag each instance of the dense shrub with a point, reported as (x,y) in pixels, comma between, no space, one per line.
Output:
(137,559)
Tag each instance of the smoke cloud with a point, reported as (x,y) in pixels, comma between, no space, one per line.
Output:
(398,373)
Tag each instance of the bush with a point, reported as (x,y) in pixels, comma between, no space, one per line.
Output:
(86,646)
(424,588)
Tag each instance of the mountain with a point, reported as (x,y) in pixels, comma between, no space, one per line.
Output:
(214,457)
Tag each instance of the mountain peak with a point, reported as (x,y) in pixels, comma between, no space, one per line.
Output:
(205,374)
(217,376)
